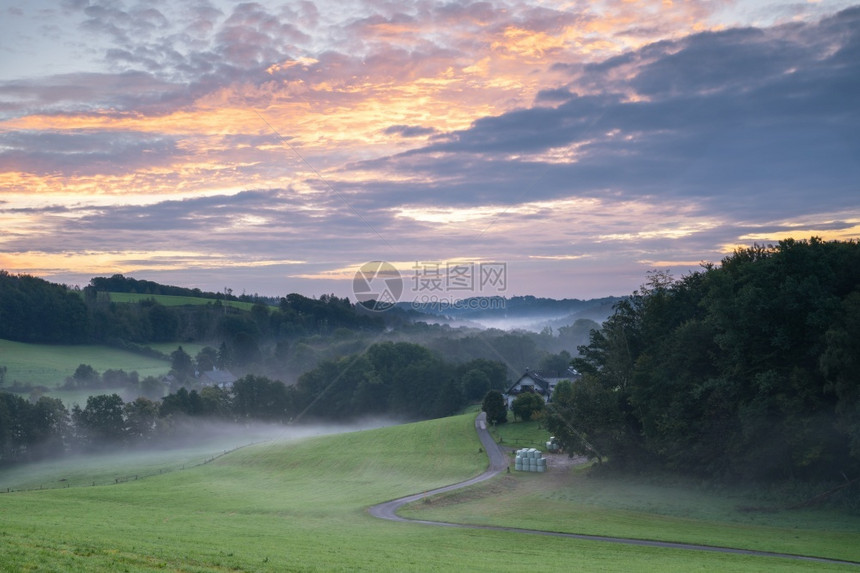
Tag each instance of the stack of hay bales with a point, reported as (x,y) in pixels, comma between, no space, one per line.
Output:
(530,460)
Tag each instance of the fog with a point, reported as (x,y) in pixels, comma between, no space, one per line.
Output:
(190,443)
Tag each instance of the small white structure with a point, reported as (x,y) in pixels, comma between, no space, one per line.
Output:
(530,460)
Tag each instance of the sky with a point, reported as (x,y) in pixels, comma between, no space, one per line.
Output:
(555,149)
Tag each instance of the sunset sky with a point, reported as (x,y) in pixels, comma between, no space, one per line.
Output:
(274,147)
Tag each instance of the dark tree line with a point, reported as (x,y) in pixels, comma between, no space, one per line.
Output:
(120,283)
(396,379)
(749,370)
(34,310)
(37,311)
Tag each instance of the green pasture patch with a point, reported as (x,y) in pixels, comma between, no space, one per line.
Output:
(49,364)
(301,506)
(173,300)
(578,501)
(515,435)
(190,348)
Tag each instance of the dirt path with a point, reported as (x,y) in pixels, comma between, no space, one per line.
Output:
(499,462)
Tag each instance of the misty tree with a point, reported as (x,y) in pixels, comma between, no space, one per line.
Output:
(215,402)
(117,378)
(102,421)
(181,402)
(2,375)
(495,407)
(151,387)
(743,371)
(181,365)
(85,376)
(141,416)
(206,359)
(164,323)
(260,398)
(225,357)
(449,399)
(526,405)
(555,365)
(475,384)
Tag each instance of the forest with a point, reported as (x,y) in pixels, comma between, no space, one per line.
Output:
(398,381)
(37,311)
(298,359)
(749,370)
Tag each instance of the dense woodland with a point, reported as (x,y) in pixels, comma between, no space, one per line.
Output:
(747,370)
(37,311)
(400,381)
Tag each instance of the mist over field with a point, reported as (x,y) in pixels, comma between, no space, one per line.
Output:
(191,443)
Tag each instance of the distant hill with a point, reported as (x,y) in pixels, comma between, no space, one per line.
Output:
(526,312)
(122,284)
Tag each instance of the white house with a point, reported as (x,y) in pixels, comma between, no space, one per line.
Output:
(538,383)
(221,378)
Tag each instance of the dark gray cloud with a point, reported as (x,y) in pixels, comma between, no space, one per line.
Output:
(741,120)
(409,130)
(83,152)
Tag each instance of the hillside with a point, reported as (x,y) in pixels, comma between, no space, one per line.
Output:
(523,312)
(301,506)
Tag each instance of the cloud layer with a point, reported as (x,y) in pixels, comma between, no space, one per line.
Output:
(276,147)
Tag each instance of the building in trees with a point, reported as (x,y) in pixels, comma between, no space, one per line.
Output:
(538,383)
(221,378)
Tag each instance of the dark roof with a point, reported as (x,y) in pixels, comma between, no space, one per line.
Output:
(219,377)
(544,381)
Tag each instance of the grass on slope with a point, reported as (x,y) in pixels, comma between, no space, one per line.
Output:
(174,300)
(576,500)
(301,507)
(49,365)
(514,435)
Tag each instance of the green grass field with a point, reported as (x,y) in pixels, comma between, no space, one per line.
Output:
(49,365)
(301,506)
(191,348)
(515,435)
(171,300)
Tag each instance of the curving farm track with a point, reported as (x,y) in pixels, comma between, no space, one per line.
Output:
(499,462)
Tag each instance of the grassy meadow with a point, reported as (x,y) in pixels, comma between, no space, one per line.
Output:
(301,506)
(518,434)
(173,300)
(49,365)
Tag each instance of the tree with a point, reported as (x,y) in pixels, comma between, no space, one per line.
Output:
(475,384)
(260,398)
(85,376)
(527,405)
(101,422)
(2,375)
(449,398)
(206,359)
(225,358)
(555,365)
(181,365)
(152,388)
(164,323)
(141,416)
(215,401)
(495,407)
